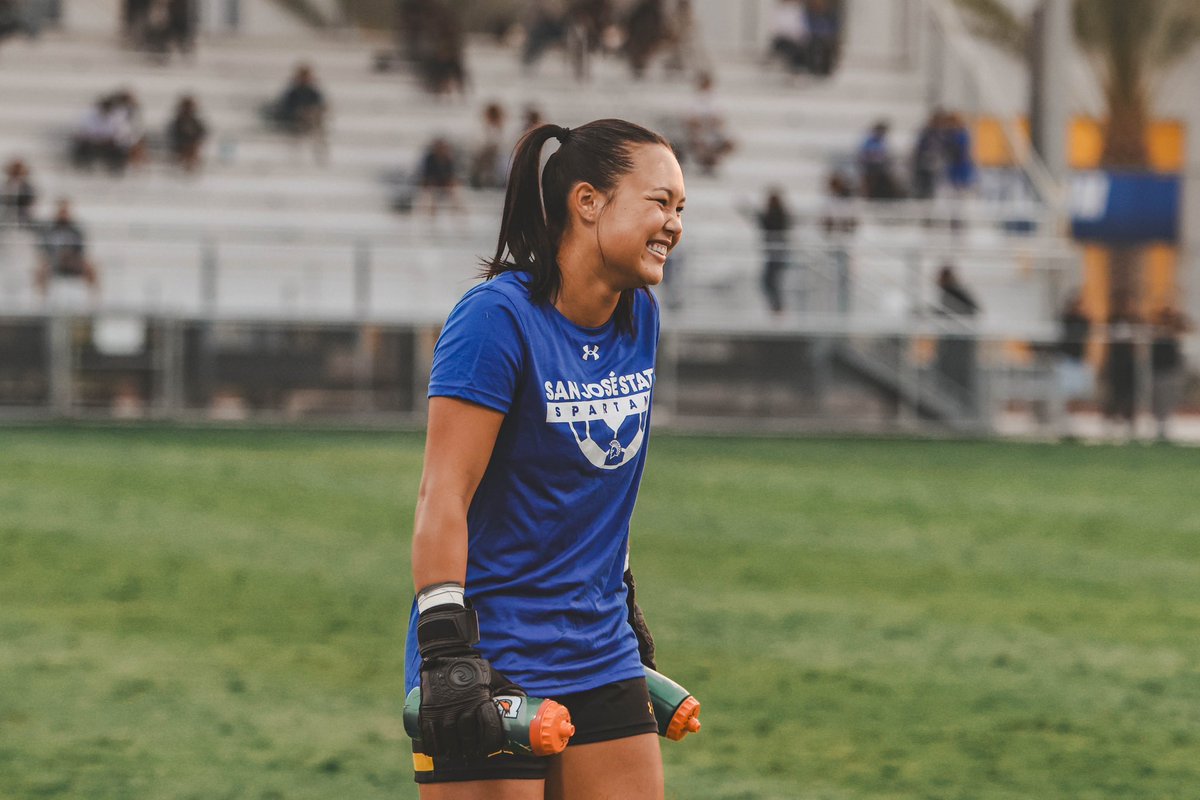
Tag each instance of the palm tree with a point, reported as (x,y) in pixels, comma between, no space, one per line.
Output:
(1131,45)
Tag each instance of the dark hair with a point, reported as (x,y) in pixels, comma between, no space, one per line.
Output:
(535,205)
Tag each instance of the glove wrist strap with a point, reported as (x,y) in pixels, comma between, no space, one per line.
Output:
(447,630)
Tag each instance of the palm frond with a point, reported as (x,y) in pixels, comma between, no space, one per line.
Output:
(994,21)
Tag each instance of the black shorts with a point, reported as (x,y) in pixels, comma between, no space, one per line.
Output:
(614,711)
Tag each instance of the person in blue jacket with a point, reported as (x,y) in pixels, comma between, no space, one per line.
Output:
(539,416)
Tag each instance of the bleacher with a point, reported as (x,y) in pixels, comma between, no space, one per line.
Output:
(283,231)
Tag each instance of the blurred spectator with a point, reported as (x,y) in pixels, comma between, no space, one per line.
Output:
(489,163)
(775,223)
(1074,374)
(25,16)
(586,23)
(790,35)
(707,144)
(17,195)
(839,222)
(133,18)
(442,64)
(438,178)
(956,351)
(645,33)
(960,161)
(1120,370)
(63,252)
(823,28)
(1167,365)
(928,156)
(685,52)
(875,166)
(111,133)
(167,24)
(186,134)
(545,27)
(531,118)
(301,110)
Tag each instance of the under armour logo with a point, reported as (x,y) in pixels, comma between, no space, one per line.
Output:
(591,352)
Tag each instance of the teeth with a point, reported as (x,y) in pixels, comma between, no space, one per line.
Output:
(661,249)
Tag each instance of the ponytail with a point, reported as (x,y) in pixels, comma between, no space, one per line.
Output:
(535,204)
(524,230)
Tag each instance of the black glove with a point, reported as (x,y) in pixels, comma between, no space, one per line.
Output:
(638,622)
(458,718)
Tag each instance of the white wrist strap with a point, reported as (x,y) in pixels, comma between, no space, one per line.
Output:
(441,594)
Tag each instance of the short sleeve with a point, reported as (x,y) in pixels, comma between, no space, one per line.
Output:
(480,353)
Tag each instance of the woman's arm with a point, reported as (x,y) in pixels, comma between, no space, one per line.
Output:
(458,447)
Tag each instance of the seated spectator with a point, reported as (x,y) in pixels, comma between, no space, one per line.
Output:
(790,35)
(707,145)
(875,166)
(301,109)
(531,118)
(438,177)
(95,138)
(186,133)
(17,195)
(489,164)
(823,26)
(167,24)
(62,252)
(110,133)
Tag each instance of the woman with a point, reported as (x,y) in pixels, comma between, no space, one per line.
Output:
(538,415)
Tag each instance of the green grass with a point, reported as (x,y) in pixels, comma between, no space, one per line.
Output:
(207,614)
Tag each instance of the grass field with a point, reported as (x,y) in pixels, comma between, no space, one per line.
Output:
(206,614)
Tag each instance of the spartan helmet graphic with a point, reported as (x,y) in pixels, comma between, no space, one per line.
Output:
(613,428)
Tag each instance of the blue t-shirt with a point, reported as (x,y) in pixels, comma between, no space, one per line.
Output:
(548,528)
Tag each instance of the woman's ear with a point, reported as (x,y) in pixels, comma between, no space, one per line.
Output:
(585,201)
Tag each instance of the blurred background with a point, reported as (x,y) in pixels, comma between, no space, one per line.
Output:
(953,243)
(904,215)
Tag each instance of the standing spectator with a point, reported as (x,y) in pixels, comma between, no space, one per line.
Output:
(775,223)
(1120,371)
(707,143)
(875,165)
(63,252)
(489,162)
(186,134)
(956,352)
(960,161)
(438,178)
(17,195)
(1166,362)
(927,157)
(1074,331)
(586,22)
(645,32)
(840,221)
(301,110)
(823,27)
(790,35)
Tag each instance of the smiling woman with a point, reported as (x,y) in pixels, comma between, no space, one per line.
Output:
(539,415)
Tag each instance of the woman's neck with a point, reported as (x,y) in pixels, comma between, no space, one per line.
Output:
(584,297)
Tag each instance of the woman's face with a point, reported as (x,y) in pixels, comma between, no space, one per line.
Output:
(642,220)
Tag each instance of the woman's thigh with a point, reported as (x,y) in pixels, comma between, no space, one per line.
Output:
(618,769)
(484,790)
